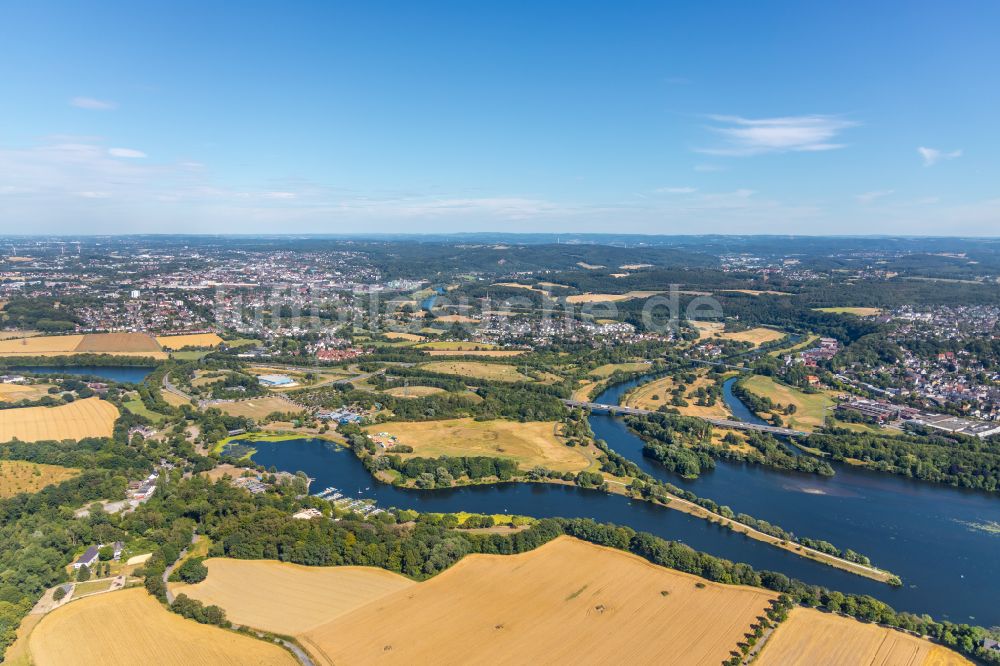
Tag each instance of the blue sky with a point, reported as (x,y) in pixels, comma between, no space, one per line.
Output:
(700,117)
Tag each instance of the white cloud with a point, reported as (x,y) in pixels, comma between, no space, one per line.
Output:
(932,156)
(126,152)
(92,104)
(748,136)
(279,195)
(91,194)
(868,197)
(676,190)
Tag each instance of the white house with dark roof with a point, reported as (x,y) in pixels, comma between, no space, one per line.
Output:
(88,558)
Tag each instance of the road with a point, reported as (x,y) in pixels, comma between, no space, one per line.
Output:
(722,423)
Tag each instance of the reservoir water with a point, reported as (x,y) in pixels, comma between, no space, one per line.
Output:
(117,373)
(925,533)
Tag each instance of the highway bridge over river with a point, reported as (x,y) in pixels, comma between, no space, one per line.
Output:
(617,410)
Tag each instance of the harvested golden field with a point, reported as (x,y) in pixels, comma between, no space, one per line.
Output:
(43,343)
(860,312)
(131,627)
(18,392)
(97,343)
(410,337)
(755,336)
(19,476)
(91,417)
(117,344)
(566,602)
(609,298)
(707,329)
(455,318)
(256,408)
(532,443)
(472,369)
(810,637)
(413,391)
(290,598)
(191,340)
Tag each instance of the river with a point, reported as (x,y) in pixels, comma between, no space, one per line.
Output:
(917,530)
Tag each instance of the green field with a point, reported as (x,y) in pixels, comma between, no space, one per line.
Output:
(811,409)
(139,408)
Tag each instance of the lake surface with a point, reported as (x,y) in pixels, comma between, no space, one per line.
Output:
(921,531)
(117,373)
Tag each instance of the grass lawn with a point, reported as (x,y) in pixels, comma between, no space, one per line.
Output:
(91,586)
(477,370)
(533,443)
(188,355)
(811,408)
(139,408)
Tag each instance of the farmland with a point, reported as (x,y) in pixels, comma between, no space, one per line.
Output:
(405,337)
(118,344)
(809,636)
(494,353)
(490,371)
(256,408)
(193,340)
(810,408)
(610,298)
(859,312)
(130,627)
(567,601)
(532,443)
(18,392)
(413,391)
(18,476)
(755,336)
(290,598)
(91,417)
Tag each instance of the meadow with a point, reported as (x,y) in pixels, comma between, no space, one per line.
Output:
(566,602)
(473,369)
(530,444)
(811,409)
(19,476)
(256,408)
(90,417)
(657,393)
(289,598)
(131,627)
(810,637)
(859,312)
